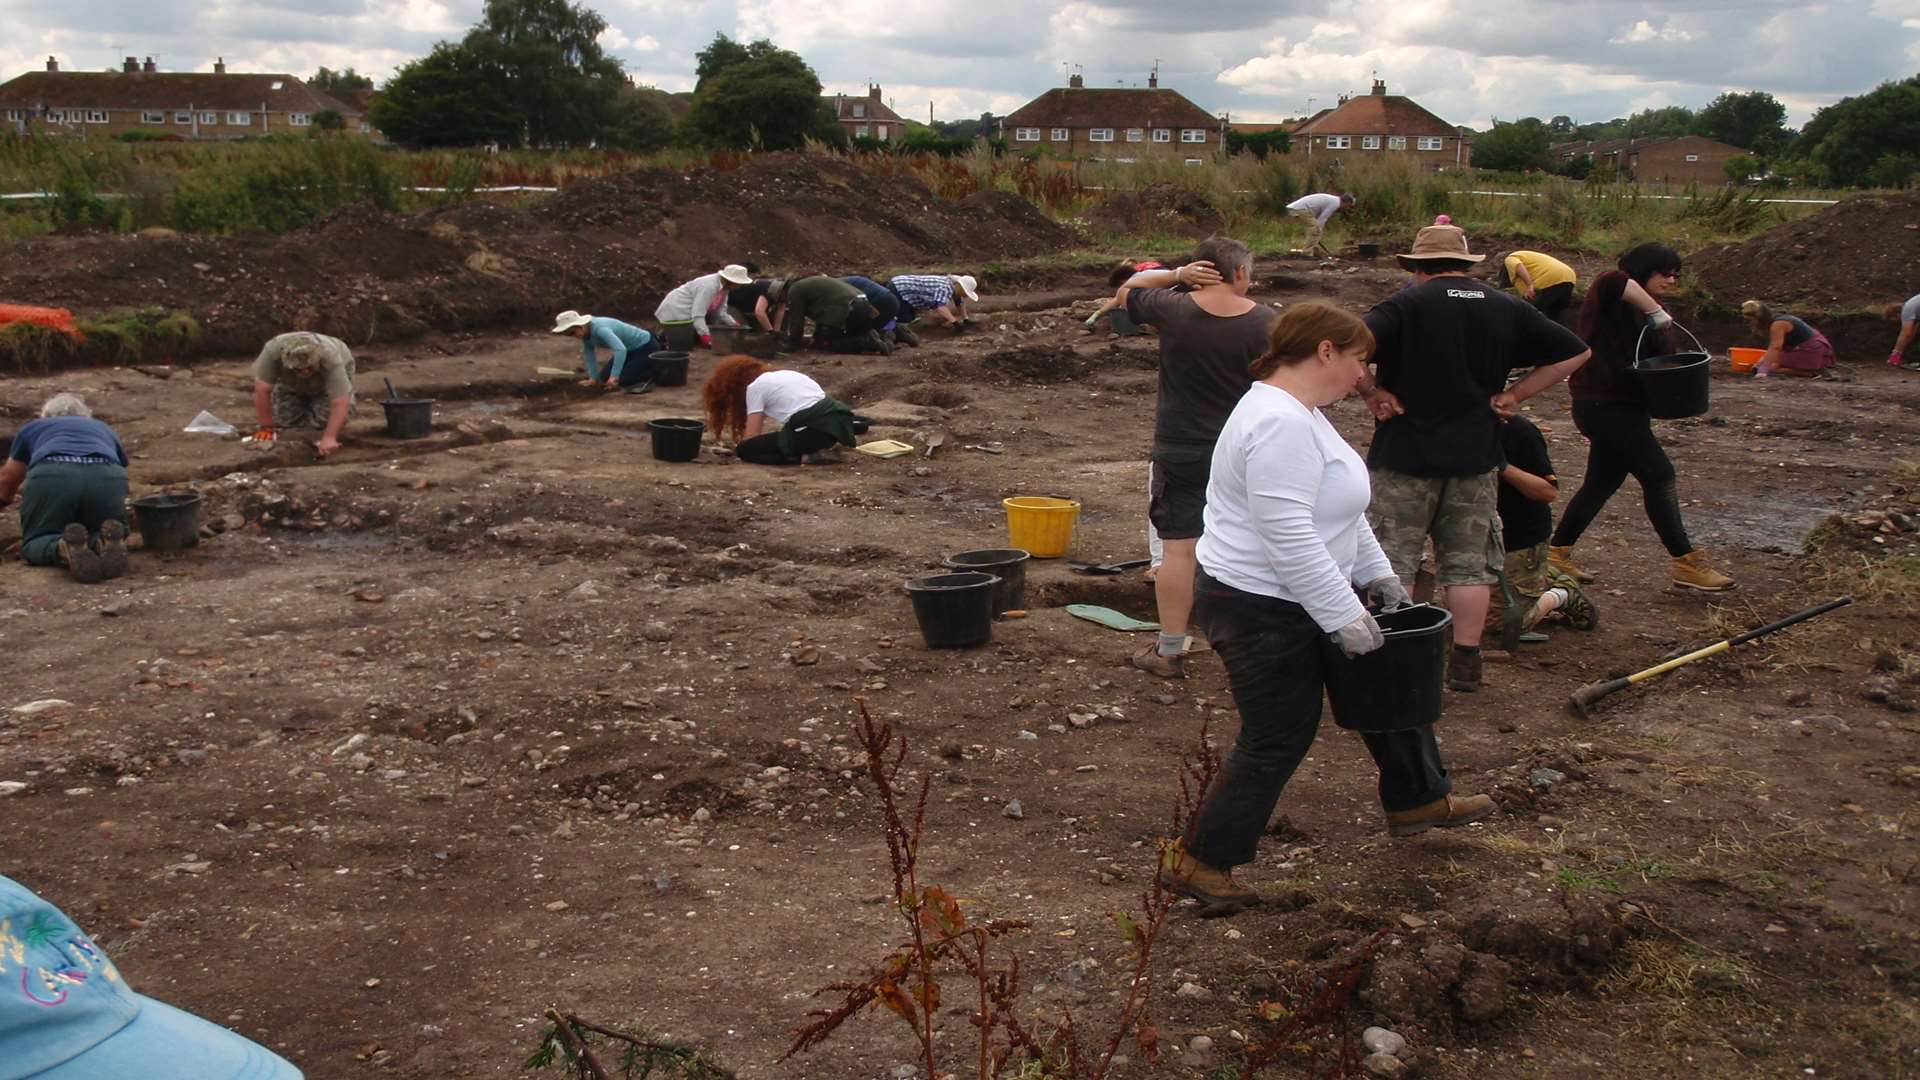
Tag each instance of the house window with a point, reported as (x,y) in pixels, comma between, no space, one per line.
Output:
(880,131)
(56,116)
(240,119)
(299,119)
(1396,142)
(861,131)
(1136,134)
(1195,161)
(859,109)
(1099,134)
(1430,142)
(1369,142)
(1059,135)
(183,118)
(96,116)
(1193,134)
(1339,142)
(153,117)
(1026,134)
(13,114)
(1693,157)
(209,117)
(1162,135)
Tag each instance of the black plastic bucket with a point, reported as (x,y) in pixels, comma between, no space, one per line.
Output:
(1008,564)
(669,368)
(1399,685)
(675,439)
(1675,386)
(409,418)
(954,610)
(168,522)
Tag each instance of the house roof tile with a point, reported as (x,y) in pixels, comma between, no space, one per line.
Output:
(166,90)
(876,109)
(1083,107)
(1376,114)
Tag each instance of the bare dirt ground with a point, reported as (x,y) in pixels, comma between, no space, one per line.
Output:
(437,733)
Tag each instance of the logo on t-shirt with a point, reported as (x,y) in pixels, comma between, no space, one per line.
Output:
(1468,294)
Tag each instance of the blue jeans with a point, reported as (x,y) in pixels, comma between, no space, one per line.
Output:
(1272,651)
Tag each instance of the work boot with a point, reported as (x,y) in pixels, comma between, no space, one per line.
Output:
(82,561)
(1463,671)
(1690,571)
(1150,661)
(112,547)
(1561,559)
(906,337)
(1579,610)
(1188,876)
(880,343)
(828,456)
(1446,812)
(645,387)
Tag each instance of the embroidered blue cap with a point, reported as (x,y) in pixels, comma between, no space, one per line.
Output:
(66,1014)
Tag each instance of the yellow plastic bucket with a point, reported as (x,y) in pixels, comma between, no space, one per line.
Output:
(1041,525)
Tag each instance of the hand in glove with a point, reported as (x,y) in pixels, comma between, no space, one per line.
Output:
(1387,594)
(265,434)
(1659,320)
(706,340)
(1359,637)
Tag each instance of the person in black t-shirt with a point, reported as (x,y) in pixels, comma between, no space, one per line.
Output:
(1534,589)
(753,305)
(1445,347)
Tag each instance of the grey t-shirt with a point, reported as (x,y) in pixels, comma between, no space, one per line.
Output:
(1204,362)
(1910,311)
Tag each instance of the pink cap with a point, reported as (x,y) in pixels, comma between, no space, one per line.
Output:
(1442,219)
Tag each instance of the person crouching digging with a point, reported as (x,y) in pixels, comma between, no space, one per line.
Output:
(1285,558)
(301,380)
(74,510)
(743,394)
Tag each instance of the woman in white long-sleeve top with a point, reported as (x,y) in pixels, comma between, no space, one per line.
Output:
(1285,560)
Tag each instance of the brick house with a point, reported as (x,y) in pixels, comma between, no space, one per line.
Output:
(190,105)
(867,117)
(1378,124)
(1120,123)
(1667,159)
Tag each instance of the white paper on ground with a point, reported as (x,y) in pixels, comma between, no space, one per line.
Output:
(208,424)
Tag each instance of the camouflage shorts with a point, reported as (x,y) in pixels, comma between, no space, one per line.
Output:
(292,410)
(1457,511)
(1527,571)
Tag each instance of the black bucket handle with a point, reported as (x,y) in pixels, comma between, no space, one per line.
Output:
(1637,342)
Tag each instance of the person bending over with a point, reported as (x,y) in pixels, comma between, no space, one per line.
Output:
(1546,282)
(685,311)
(745,398)
(628,349)
(1908,316)
(1793,347)
(304,380)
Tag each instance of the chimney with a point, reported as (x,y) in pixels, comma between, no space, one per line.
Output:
(1379,88)
(1153,79)
(873,91)
(130,65)
(52,64)
(1076,82)
(220,65)
(1344,98)
(148,66)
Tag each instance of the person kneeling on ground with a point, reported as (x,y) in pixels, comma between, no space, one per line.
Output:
(844,320)
(743,394)
(939,296)
(684,313)
(69,1014)
(1793,347)
(750,302)
(1908,316)
(1284,562)
(304,379)
(1532,588)
(74,510)
(886,311)
(628,347)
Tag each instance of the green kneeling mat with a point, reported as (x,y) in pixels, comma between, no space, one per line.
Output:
(1109,618)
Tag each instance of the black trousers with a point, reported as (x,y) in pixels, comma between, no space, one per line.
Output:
(1272,652)
(765,449)
(1554,300)
(1622,444)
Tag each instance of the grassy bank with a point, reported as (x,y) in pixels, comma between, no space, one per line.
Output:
(148,335)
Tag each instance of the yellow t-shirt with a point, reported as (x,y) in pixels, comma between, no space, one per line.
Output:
(1545,270)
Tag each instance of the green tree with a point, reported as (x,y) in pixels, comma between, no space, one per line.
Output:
(767,99)
(1861,140)
(1753,121)
(330,82)
(450,97)
(329,122)
(1651,123)
(553,71)
(1260,143)
(639,119)
(1740,166)
(1514,147)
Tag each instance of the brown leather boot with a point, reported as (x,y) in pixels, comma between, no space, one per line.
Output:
(1211,886)
(1446,812)
(76,550)
(1561,558)
(1690,571)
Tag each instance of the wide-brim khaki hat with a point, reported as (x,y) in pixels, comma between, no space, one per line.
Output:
(567,320)
(735,274)
(1440,242)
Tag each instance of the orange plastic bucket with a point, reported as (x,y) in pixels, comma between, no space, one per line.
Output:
(1040,524)
(1744,359)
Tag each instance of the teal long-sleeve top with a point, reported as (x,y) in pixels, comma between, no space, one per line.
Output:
(616,336)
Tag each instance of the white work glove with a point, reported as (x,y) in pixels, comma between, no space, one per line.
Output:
(1359,637)
(1387,594)
(1659,320)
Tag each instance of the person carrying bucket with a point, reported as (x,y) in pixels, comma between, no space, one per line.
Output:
(1288,562)
(683,314)
(74,510)
(304,380)
(1610,409)
(1445,348)
(743,394)
(1793,347)
(628,347)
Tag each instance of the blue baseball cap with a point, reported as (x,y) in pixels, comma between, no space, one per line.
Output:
(66,1013)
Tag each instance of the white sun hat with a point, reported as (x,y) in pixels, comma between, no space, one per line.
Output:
(966,283)
(567,320)
(735,274)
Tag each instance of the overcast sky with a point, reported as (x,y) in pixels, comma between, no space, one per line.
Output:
(1255,59)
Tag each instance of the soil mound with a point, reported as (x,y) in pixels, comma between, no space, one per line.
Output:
(1160,208)
(614,244)
(1860,252)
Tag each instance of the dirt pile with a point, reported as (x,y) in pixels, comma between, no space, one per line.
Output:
(1160,208)
(613,244)
(1858,253)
